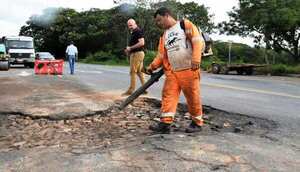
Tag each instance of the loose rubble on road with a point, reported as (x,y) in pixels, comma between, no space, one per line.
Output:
(112,128)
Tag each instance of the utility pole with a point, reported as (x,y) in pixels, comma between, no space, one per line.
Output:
(229,51)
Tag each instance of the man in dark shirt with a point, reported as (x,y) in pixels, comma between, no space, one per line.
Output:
(136,53)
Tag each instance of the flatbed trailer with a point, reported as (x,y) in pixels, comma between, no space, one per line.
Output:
(241,69)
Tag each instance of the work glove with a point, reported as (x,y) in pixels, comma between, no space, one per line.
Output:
(147,70)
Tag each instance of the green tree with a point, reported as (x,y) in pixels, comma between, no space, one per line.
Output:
(102,31)
(51,30)
(198,14)
(275,22)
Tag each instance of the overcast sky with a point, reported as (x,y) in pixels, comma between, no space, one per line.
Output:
(14,13)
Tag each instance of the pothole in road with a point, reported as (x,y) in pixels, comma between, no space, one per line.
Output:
(113,128)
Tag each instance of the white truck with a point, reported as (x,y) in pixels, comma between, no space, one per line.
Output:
(20,49)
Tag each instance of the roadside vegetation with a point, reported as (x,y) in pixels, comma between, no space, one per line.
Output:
(101,35)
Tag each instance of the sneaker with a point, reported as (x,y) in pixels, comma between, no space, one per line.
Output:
(193,127)
(161,128)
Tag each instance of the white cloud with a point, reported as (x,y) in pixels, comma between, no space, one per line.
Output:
(8,28)
(17,12)
(219,10)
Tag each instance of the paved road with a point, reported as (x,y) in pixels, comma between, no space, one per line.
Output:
(276,98)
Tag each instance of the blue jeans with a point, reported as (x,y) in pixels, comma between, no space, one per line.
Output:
(72,63)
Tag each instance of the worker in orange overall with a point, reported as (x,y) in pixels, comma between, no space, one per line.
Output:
(179,53)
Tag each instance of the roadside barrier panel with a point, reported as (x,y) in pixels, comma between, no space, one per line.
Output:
(50,67)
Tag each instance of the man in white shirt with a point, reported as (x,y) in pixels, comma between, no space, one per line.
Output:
(72,54)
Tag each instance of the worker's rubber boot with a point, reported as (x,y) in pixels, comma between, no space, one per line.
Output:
(193,127)
(161,128)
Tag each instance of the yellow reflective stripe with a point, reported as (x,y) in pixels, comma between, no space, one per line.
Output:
(198,117)
(188,31)
(197,38)
(168,114)
(198,120)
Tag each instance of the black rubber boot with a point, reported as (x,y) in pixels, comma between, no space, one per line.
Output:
(193,127)
(161,128)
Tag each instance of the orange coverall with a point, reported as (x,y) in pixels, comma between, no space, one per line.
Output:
(180,77)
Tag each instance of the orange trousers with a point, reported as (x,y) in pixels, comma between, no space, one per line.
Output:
(189,82)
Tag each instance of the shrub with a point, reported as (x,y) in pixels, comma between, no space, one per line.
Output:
(279,69)
(107,58)
(100,56)
(149,56)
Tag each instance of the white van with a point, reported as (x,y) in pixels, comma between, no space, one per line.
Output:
(20,49)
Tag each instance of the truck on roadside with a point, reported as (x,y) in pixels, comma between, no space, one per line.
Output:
(20,49)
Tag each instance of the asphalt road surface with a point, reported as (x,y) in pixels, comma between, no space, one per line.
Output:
(273,98)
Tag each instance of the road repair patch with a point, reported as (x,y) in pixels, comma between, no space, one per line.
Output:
(43,111)
(112,128)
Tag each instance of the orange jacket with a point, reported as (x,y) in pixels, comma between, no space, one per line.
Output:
(193,36)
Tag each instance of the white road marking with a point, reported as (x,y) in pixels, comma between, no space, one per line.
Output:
(114,70)
(252,90)
(224,86)
(82,71)
(24,73)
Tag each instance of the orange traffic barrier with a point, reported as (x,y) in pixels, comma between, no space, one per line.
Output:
(54,67)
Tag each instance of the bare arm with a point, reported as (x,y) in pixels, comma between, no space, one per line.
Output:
(141,43)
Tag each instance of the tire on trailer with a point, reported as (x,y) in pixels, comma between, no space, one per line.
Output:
(226,70)
(249,71)
(240,71)
(4,65)
(216,68)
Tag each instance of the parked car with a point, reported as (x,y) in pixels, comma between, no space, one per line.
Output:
(44,56)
